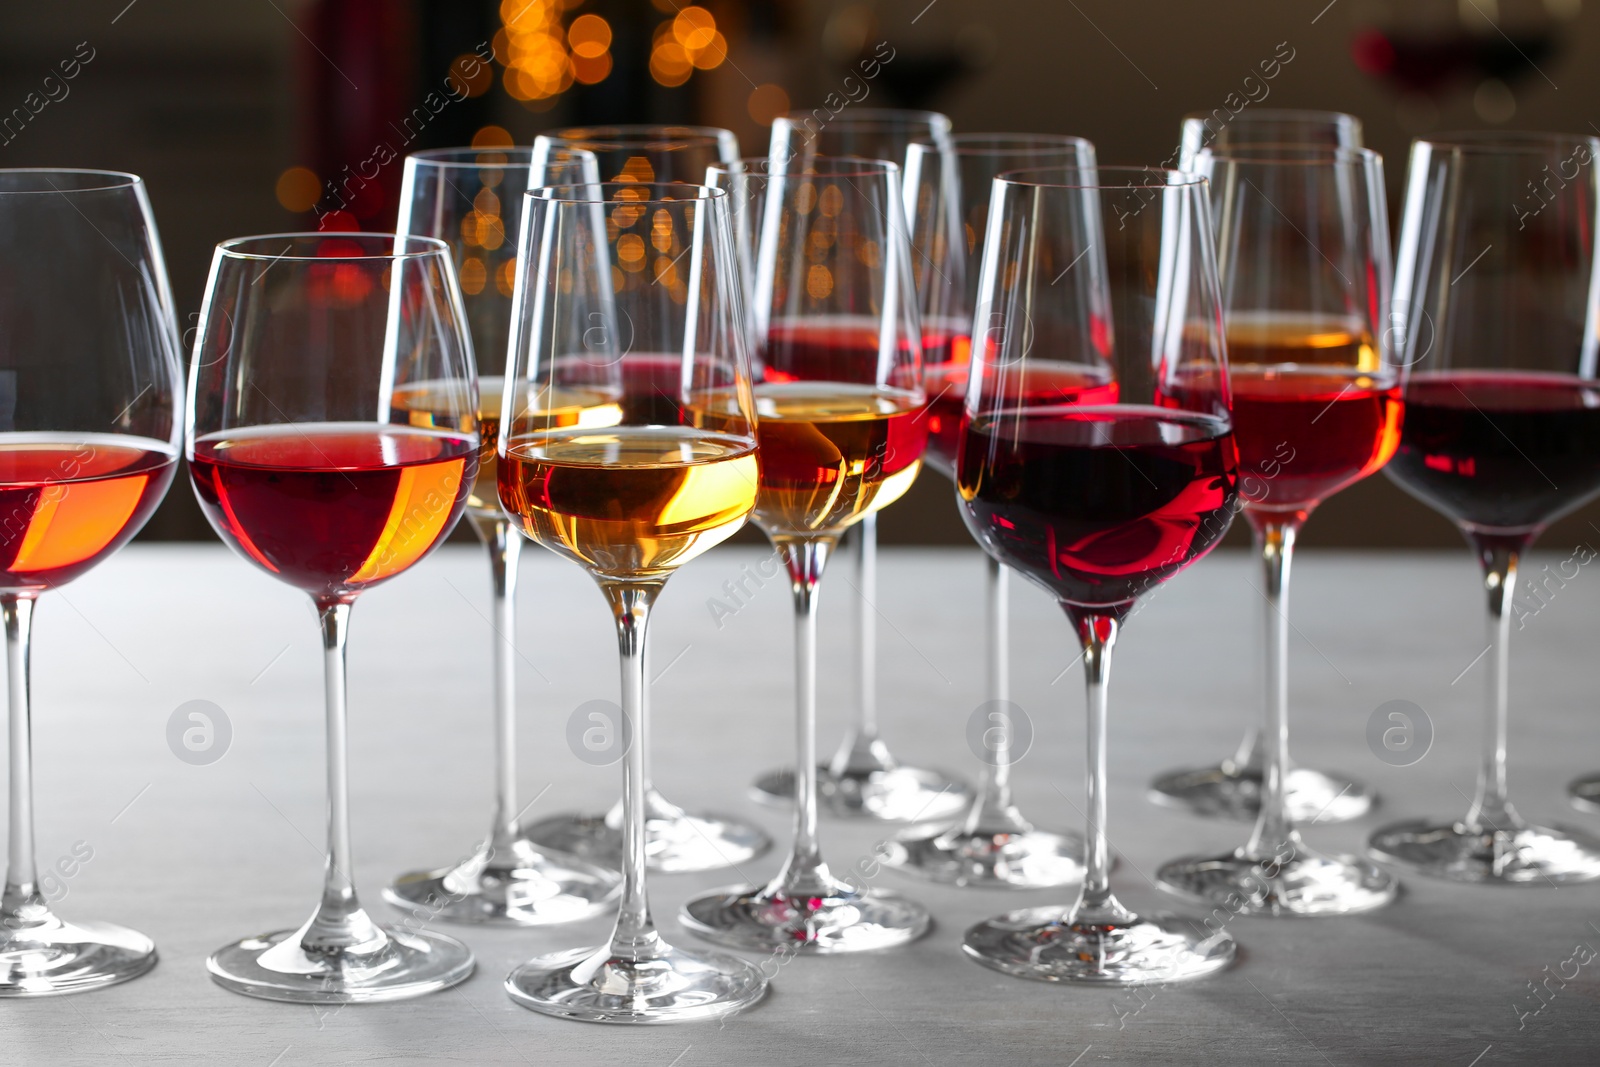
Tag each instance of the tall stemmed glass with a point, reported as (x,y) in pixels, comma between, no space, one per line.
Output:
(863,778)
(1497,298)
(471,198)
(88,445)
(1303,245)
(1233,787)
(993,844)
(839,400)
(630,502)
(678,840)
(309,468)
(1100,499)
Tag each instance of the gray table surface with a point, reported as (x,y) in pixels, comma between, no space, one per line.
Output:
(197,856)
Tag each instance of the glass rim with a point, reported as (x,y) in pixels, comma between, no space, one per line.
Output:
(1280,113)
(1311,154)
(558,194)
(1504,141)
(860,166)
(634,135)
(875,117)
(972,144)
(1170,179)
(456,157)
(235,247)
(115,179)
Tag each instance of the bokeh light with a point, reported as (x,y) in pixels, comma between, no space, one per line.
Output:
(299,189)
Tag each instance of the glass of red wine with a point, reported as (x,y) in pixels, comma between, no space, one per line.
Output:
(678,840)
(993,843)
(1098,499)
(471,198)
(1232,788)
(864,779)
(1495,305)
(629,484)
(839,408)
(310,463)
(1303,253)
(89,436)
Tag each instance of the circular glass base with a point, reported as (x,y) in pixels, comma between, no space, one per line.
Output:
(1585,792)
(1229,792)
(276,967)
(1032,860)
(1531,854)
(675,986)
(1307,884)
(679,844)
(841,921)
(904,794)
(1040,944)
(45,957)
(530,888)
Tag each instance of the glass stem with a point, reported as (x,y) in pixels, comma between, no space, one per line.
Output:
(804,873)
(505,550)
(861,751)
(340,925)
(1491,810)
(23,905)
(1096,905)
(994,812)
(1274,835)
(635,937)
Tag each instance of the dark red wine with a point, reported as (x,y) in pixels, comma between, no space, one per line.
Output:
(1306,432)
(67,501)
(1500,451)
(333,508)
(1028,384)
(1098,504)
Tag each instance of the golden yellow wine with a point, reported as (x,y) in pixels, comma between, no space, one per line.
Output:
(421,402)
(833,452)
(630,503)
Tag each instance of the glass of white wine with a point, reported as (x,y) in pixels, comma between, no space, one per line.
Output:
(630,491)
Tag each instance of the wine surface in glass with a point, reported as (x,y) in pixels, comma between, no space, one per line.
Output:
(1500,450)
(1305,432)
(69,500)
(332,508)
(629,503)
(1030,384)
(831,452)
(1098,504)
(421,403)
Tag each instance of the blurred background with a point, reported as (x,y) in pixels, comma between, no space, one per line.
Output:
(256,116)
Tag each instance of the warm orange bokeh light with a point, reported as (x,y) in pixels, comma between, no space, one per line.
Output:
(299,189)
(590,36)
(492,137)
(766,103)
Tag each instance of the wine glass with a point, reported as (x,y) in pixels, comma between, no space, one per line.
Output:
(1233,787)
(471,198)
(1495,305)
(678,840)
(1303,252)
(88,445)
(308,465)
(630,494)
(863,778)
(839,403)
(993,844)
(1264,125)
(1100,497)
